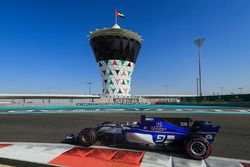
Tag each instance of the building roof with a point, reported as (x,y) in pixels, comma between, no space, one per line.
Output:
(164,96)
(116,31)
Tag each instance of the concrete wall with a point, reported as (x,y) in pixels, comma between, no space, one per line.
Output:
(86,101)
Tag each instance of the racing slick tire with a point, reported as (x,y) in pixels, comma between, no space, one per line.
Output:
(198,148)
(87,137)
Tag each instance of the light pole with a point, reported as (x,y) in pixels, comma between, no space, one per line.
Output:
(197,86)
(89,83)
(240,89)
(49,89)
(199,43)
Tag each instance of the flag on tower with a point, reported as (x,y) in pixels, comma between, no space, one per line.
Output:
(117,13)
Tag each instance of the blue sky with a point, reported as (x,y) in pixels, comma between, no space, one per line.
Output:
(44,44)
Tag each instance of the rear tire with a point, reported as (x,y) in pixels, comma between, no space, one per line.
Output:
(198,148)
(87,137)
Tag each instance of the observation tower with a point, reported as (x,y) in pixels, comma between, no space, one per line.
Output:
(116,51)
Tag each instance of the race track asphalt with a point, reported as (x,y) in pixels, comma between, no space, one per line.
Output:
(233,140)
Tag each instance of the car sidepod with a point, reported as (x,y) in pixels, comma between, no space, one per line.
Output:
(155,131)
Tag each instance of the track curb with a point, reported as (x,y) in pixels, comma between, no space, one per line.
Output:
(70,155)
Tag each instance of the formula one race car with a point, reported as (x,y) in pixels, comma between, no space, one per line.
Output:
(195,137)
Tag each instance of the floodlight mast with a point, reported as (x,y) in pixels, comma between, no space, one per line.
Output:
(199,43)
(89,83)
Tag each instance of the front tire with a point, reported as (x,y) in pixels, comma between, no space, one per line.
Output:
(87,137)
(198,148)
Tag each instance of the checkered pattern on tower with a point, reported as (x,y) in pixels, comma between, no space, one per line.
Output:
(116,75)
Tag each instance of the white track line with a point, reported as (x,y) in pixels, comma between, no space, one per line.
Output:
(38,153)
(242,110)
(228,159)
(179,162)
(12,111)
(221,162)
(154,159)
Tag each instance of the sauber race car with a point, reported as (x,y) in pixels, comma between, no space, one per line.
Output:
(195,137)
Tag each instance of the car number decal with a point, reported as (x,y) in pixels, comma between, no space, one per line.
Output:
(160,138)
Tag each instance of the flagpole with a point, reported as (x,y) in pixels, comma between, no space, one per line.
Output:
(115,17)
